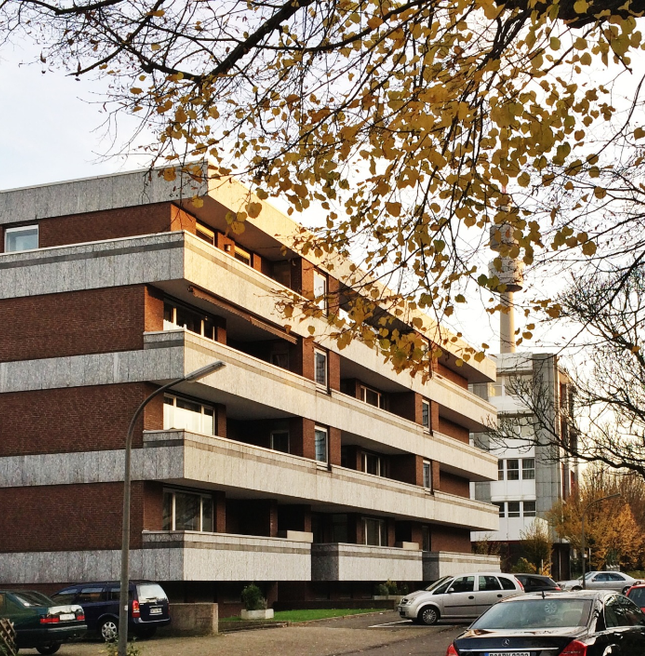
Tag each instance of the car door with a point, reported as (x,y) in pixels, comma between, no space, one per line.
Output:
(597,581)
(91,598)
(616,581)
(459,600)
(25,620)
(626,622)
(489,591)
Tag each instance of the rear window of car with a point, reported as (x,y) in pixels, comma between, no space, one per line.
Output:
(507,584)
(31,599)
(546,613)
(150,592)
(637,595)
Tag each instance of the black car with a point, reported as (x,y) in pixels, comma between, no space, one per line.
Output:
(40,622)
(537,583)
(587,623)
(100,601)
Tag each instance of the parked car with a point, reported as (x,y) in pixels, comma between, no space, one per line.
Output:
(100,601)
(461,597)
(637,594)
(585,623)
(601,581)
(537,583)
(40,622)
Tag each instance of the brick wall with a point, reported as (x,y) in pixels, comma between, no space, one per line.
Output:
(63,517)
(113,224)
(451,429)
(74,323)
(453,484)
(74,418)
(451,375)
(450,539)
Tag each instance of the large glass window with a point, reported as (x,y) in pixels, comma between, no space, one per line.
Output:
(320,364)
(529,508)
(24,238)
(181,413)
(176,315)
(513,508)
(375,531)
(321,444)
(187,511)
(371,396)
(528,469)
(513,470)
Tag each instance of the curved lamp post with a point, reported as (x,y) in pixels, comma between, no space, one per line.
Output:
(582,536)
(125,536)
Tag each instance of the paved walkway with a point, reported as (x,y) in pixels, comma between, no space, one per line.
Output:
(336,637)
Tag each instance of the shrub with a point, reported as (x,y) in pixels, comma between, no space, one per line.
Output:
(252,598)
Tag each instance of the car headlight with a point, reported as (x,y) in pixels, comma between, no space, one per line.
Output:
(405,601)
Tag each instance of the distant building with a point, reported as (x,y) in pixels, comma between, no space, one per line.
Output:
(313,471)
(531,479)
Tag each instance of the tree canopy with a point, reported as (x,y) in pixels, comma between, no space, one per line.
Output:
(409,128)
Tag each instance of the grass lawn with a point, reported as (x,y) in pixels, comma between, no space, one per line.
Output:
(308,615)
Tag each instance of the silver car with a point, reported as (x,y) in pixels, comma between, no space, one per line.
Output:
(601,581)
(462,597)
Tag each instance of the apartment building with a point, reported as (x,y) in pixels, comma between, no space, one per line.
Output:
(532,475)
(312,471)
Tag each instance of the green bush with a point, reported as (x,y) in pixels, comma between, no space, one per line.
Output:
(252,598)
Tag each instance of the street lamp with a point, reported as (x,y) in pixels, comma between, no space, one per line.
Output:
(582,537)
(125,536)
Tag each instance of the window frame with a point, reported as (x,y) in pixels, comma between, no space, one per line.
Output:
(321,290)
(381,530)
(32,227)
(205,233)
(427,480)
(514,470)
(528,513)
(363,392)
(322,430)
(526,469)
(321,353)
(202,414)
(513,513)
(173,492)
(272,435)
(426,417)
(380,465)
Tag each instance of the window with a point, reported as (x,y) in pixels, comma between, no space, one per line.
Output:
(372,464)
(320,290)
(374,531)
(487,582)
(529,509)
(242,255)
(187,511)
(463,584)
(500,505)
(205,233)
(321,444)
(320,366)
(512,470)
(500,470)
(280,441)
(24,238)
(425,414)
(427,474)
(513,508)
(175,315)
(188,415)
(528,469)
(371,396)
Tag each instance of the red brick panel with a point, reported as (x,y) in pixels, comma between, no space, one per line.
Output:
(113,224)
(453,484)
(64,517)
(455,540)
(407,468)
(451,375)
(74,323)
(451,429)
(74,418)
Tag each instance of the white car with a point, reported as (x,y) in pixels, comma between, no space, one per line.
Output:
(601,581)
(462,597)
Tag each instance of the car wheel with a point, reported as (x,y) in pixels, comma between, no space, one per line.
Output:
(51,648)
(626,588)
(428,615)
(576,588)
(109,630)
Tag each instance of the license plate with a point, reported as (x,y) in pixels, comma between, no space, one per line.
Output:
(157,611)
(508,653)
(66,616)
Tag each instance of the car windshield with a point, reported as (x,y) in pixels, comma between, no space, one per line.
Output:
(32,598)
(548,613)
(443,580)
(637,595)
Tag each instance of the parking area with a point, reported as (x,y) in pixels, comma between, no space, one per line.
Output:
(376,634)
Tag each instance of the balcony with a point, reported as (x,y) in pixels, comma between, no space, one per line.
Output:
(191,556)
(360,562)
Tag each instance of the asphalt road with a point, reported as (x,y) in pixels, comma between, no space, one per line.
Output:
(378,634)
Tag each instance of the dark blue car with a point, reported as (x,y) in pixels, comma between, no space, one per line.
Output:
(100,601)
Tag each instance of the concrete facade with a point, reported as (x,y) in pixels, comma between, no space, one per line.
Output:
(259,472)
